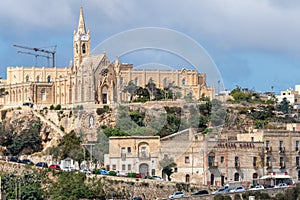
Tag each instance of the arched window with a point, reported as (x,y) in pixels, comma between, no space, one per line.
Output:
(183,81)
(76,48)
(236,176)
(27,79)
(43,94)
(38,79)
(187,178)
(83,48)
(49,79)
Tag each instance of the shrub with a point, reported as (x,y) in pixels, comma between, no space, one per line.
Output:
(100,111)
(132,175)
(58,107)
(62,128)
(52,107)
(112,173)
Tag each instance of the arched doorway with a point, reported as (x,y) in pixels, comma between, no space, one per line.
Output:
(212,179)
(236,176)
(104,94)
(254,178)
(144,170)
(187,178)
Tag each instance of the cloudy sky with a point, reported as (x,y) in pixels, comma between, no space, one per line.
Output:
(254,43)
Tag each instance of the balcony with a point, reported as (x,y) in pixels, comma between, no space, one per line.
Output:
(213,164)
(268,150)
(269,165)
(144,156)
(281,150)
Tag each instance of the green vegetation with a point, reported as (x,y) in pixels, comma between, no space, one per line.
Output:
(69,146)
(167,164)
(26,142)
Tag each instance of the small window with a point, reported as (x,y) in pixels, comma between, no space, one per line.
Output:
(129,167)
(297,160)
(187,159)
(183,81)
(38,79)
(83,48)
(128,149)
(49,79)
(267,143)
(254,161)
(123,167)
(175,170)
(236,177)
(114,167)
(236,161)
(27,79)
(222,159)
(280,144)
(297,145)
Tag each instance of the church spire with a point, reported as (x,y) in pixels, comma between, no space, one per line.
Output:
(81,24)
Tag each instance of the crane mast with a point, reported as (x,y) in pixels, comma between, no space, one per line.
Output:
(48,52)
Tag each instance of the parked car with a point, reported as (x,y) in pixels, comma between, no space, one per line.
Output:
(121,174)
(86,171)
(15,159)
(157,178)
(238,189)
(55,166)
(281,185)
(177,195)
(200,192)
(136,198)
(257,187)
(103,172)
(138,175)
(42,164)
(68,169)
(221,191)
(27,162)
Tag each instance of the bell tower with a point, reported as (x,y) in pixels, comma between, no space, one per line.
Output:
(81,42)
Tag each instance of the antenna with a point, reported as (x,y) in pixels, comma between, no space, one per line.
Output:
(48,52)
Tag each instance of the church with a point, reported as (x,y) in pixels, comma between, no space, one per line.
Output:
(91,79)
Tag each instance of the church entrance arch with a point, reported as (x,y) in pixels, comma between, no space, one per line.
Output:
(104,94)
(144,170)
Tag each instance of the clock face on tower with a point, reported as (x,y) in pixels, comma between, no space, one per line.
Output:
(84,37)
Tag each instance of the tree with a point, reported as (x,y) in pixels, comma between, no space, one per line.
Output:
(131,88)
(69,146)
(151,87)
(284,106)
(238,95)
(167,164)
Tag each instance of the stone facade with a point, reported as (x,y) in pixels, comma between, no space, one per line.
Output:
(91,79)
(134,154)
(214,160)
